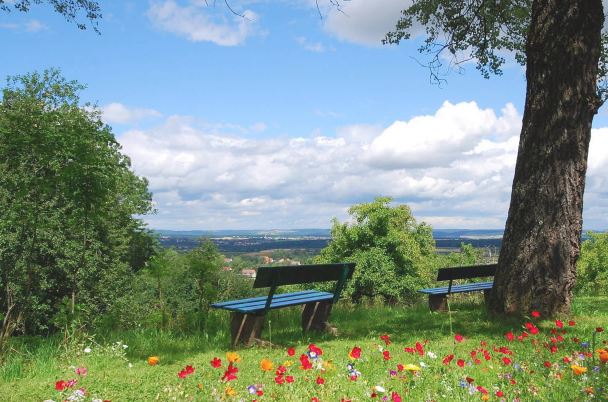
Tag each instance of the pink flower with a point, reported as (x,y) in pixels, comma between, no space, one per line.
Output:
(458,338)
(535,314)
(81,371)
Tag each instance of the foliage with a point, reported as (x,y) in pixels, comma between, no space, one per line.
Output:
(174,290)
(393,253)
(69,9)
(476,30)
(468,255)
(68,197)
(592,267)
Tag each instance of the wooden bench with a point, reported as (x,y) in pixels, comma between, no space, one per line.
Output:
(248,314)
(438,296)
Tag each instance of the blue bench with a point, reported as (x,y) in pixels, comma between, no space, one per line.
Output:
(438,296)
(248,314)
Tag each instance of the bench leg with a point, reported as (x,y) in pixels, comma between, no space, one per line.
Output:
(315,316)
(245,328)
(438,303)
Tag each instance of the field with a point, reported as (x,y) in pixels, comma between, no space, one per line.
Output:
(382,353)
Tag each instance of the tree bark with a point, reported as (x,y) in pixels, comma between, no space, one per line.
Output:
(537,262)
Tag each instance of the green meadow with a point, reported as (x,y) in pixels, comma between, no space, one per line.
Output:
(405,353)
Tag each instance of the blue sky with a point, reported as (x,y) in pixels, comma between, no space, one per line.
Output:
(285,119)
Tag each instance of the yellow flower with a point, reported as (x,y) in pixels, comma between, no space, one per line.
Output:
(485,397)
(578,370)
(229,391)
(233,357)
(153,360)
(411,367)
(266,365)
(288,363)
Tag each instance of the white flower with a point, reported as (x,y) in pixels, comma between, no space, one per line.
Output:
(130,365)
(422,364)
(379,388)
(431,355)
(87,350)
(125,346)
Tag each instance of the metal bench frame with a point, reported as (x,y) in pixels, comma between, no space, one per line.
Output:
(248,314)
(438,296)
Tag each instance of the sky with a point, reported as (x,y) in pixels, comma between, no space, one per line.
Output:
(285,118)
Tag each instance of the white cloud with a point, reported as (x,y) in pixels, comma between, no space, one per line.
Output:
(316,47)
(32,26)
(196,23)
(121,114)
(204,178)
(363,21)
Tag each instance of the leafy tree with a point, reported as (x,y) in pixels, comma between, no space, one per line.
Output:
(565,52)
(593,265)
(394,254)
(468,255)
(69,9)
(67,196)
(204,264)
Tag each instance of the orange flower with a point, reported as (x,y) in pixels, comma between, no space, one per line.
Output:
(233,357)
(603,355)
(266,365)
(153,360)
(578,370)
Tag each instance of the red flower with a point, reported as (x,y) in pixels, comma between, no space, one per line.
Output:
(400,367)
(571,323)
(291,351)
(535,314)
(458,338)
(314,399)
(500,394)
(279,379)
(482,389)
(509,336)
(460,363)
(230,373)
(216,363)
(419,349)
(448,359)
(320,380)
(469,379)
(281,370)
(305,362)
(506,361)
(313,348)
(599,329)
(355,353)
(409,350)
(186,371)
(386,354)
(386,339)
(61,385)
(395,397)
(553,349)
(559,324)
(547,364)
(289,378)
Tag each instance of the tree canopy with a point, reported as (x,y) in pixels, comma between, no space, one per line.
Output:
(67,196)
(394,254)
(71,10)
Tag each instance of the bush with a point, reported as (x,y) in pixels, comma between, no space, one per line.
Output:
(592,267)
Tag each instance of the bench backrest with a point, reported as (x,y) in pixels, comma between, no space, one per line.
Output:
(473,271)
(299,274)
(468,272)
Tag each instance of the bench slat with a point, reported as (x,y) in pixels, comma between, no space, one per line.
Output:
(282,300)
(258,299)
(469,287)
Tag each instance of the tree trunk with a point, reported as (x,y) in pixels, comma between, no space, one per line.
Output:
(537,262)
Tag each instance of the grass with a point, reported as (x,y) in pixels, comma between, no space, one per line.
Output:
(117,373)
